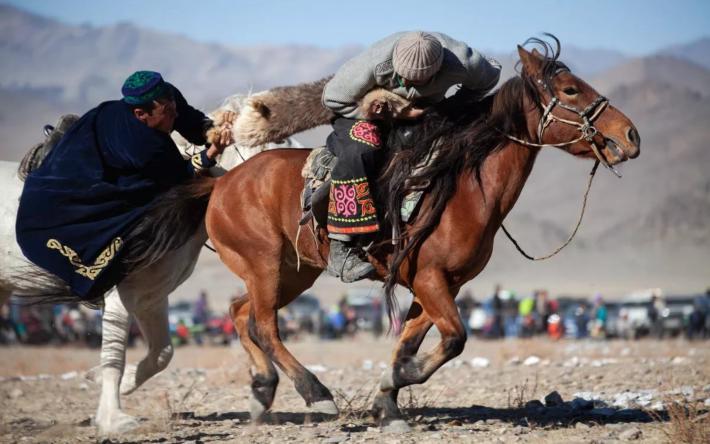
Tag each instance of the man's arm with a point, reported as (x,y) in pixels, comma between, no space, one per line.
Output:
(352,81)
(191,123)
(483,72)
(199,129)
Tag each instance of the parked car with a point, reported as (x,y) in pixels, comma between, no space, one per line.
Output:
(479,319)
(674,317)
(180,311)
(612,319)
(634,320)
(306,313)
(362,300)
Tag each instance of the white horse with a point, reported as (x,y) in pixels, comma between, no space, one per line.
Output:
(144,294)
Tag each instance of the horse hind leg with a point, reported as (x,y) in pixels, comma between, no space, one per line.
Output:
(153,322)
(266,296)
(384,406)
(264,378)
(146,296)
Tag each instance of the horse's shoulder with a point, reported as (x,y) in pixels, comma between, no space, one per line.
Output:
(281,154)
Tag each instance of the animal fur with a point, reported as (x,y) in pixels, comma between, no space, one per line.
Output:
(380,104)
(280,112)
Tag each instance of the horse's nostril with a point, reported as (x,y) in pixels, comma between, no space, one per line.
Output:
(633,136)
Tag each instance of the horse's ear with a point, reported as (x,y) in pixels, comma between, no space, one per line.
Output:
(262,108)
(531,61)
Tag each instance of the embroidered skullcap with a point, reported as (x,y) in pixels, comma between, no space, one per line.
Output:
(417,56)
(143,87)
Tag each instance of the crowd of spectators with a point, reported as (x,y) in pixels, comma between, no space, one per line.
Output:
(50,324)
(502,315)
(644,313)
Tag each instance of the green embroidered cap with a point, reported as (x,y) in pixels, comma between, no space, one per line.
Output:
(143,87)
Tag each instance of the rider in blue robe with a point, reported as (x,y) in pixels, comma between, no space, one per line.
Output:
(99,180)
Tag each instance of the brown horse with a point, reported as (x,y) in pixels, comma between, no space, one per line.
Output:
(485,157)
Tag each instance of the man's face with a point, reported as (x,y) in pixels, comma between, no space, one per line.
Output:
(407,83)
(162,117)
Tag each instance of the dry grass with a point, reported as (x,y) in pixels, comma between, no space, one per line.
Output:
(357,405)
(174,408)
(421,401)
(520,394)
(688,421)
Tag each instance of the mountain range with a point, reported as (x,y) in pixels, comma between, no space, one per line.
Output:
(649,229)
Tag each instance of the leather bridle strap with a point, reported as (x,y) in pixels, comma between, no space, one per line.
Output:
(586,127)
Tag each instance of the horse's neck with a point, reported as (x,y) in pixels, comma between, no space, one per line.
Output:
(509,171)
(510,167)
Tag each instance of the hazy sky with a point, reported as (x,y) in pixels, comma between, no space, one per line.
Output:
(631,26)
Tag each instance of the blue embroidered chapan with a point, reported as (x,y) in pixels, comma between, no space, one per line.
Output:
(94,185)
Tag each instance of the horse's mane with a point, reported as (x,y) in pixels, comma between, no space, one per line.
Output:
(463,131)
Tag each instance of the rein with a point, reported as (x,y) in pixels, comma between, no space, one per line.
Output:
(571,236)
(588,131)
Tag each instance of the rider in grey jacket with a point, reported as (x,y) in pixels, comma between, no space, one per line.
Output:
(418,66)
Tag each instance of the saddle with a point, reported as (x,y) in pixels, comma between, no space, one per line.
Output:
(52,135)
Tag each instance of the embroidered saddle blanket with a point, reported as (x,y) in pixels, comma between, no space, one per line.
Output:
(314,197)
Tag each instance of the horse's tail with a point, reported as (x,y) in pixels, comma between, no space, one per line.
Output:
(33,285)
(168,224)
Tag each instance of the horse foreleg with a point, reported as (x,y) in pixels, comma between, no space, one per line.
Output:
(264,378)
(153,322)
(109,417)
(437,302)
(416,326)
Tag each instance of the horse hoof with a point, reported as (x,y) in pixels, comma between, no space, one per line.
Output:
(128,381)
(396,426)
(257,411)
(326,407)
(387,381)
(116,424)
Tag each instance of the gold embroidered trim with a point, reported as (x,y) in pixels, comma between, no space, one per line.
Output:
(197,161)
(88,271)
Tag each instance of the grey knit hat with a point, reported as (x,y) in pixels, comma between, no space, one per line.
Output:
(417,56)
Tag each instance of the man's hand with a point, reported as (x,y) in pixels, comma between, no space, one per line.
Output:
(411,113)
(220,135)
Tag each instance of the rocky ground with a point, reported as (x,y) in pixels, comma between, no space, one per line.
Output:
(504,391)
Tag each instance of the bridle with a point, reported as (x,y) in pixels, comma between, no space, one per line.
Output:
(587,132)
(586,126)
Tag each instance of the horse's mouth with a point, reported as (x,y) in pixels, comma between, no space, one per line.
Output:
(613,153)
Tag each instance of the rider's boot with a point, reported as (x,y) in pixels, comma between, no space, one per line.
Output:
(347,260)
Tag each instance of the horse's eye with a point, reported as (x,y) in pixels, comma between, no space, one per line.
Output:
(570,91)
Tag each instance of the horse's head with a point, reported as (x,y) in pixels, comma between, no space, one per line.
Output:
(573,115)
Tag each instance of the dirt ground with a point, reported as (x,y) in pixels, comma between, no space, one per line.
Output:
(485,395)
